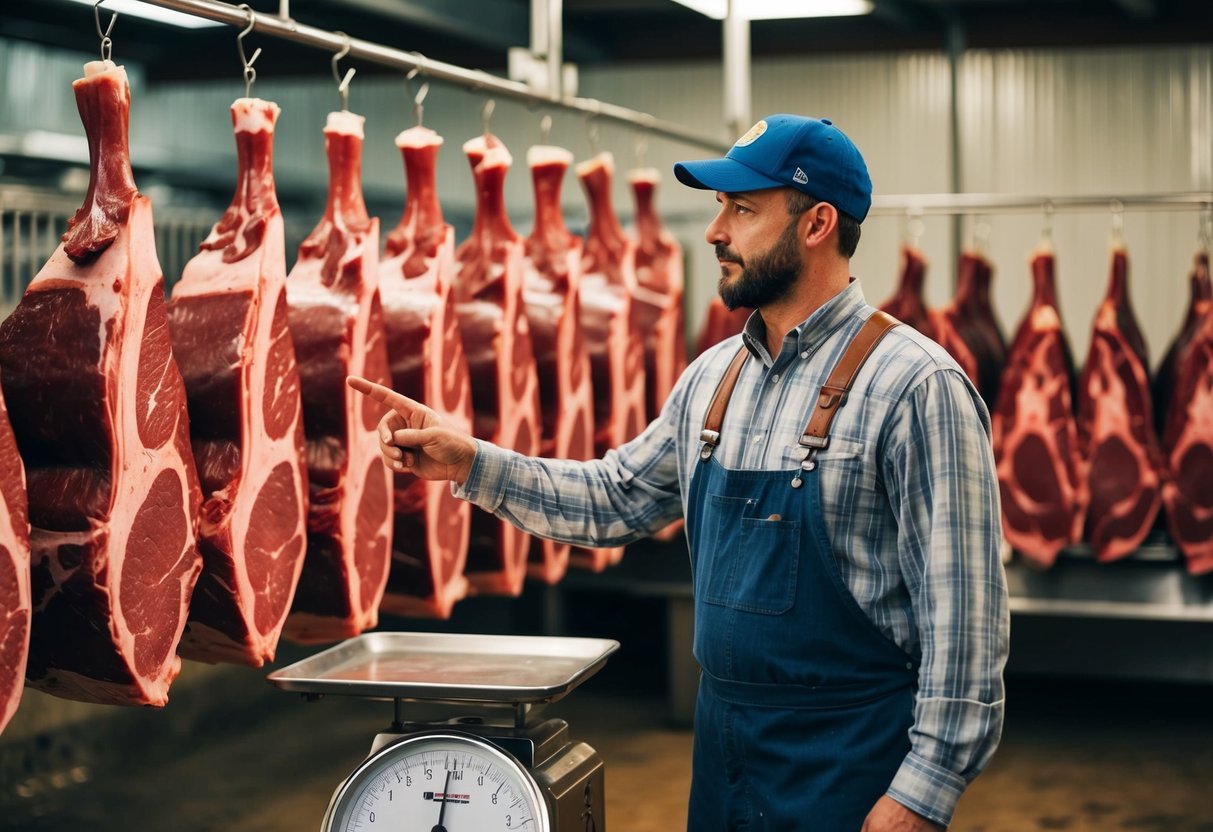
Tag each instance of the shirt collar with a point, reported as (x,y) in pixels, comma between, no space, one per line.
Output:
(812,331)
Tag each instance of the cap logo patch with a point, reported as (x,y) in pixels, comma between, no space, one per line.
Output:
(752,134)
(800,177)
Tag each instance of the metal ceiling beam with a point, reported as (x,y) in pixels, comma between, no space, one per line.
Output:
(497,25)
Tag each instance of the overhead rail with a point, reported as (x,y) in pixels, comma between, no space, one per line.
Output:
(976,203)
(473,79)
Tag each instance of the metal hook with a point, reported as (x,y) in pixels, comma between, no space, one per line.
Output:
(981,233)
(107,45)
(486,114)
(914,227)
(424,90)
(1204,234)
(545,128)
(343,84)
(1118,218)
(591,131)
(642,146)
(250,74)
(1047,231)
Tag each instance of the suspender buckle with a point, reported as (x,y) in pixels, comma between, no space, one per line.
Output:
(814,443)
(710,439)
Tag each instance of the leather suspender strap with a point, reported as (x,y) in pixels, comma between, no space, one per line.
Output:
(834,392)
(710,436)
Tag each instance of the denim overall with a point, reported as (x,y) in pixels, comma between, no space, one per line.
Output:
(804,706)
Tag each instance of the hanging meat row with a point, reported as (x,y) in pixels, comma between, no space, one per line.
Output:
(194,478)
(1093,456)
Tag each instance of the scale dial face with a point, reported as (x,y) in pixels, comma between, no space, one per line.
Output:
(438,782)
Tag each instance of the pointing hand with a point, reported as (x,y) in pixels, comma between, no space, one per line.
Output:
(414,439)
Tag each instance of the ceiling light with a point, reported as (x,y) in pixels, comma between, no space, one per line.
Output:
(149,12)
(780,9)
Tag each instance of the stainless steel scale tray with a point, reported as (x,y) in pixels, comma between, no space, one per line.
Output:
(449,667)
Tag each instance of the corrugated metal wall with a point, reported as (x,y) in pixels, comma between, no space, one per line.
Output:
(1116,121)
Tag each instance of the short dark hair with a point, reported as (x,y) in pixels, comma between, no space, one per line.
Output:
(848,226)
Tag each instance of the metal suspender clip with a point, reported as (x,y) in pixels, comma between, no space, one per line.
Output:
(710,439)
(812,444)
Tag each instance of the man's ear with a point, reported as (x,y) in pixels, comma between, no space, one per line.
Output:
(819,224)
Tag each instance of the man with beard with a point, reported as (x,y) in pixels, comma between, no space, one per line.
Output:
(841,506)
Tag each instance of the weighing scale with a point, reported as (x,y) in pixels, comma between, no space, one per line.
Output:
(495,767)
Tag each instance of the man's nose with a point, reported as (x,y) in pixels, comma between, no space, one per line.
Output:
(715,234)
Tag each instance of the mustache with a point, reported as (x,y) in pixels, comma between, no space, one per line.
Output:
(723,252)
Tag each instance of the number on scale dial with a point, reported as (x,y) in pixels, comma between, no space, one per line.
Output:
(438,783)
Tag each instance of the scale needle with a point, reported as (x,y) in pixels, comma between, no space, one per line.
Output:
(442,811)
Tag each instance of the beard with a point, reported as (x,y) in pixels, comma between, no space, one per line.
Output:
(768,277)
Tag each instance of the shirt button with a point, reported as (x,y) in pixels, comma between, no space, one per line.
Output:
(757,439)
(804,354)
(774,378)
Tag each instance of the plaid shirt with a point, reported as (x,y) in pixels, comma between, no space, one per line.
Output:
(908,490)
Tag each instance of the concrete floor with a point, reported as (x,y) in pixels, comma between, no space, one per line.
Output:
(1076,757)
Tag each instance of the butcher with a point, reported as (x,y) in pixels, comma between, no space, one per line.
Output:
(836,476)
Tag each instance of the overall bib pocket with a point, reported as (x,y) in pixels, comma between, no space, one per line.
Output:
(751,565)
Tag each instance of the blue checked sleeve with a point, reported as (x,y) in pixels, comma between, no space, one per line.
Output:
(629,494)
(939,474)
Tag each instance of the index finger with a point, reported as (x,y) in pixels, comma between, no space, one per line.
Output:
(386,395)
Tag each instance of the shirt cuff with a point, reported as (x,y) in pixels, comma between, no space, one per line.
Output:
(928,789)
(485,485)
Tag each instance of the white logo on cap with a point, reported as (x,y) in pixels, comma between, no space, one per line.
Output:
(752,134)
(800,176)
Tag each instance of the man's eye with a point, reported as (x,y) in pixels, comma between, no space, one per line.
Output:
(740,209)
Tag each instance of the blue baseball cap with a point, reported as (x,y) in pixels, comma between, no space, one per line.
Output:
(808,154)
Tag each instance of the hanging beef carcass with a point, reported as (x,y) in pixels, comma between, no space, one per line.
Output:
(658,299)
(608,317)
(15,610)
(336,322)
(1116,426)
(497,341)
(1035,436)
(970,317)
(552,281)
(1188,442)
(425,349)
(719,323)
(658,295)
(99,413)
(227,318)
(907,304)
(1200,305)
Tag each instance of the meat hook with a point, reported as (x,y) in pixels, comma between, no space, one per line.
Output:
(250,74)
(107,45)
(1205,234)
(1046,233)
(1118,220)
(486,114)
(343,83)
(591,133)
(545,128)
(418,110)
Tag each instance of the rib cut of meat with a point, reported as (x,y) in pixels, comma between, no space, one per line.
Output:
(99,413)
(971,317)
(552,280)
(609,319)
(1035,436)
(14,572)
(336,322)
(658,295)
(719,323)
(1116,426)
(1200,306)
(425,348)
(907,304)
(227,318)
(497,340)
(1188,443)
